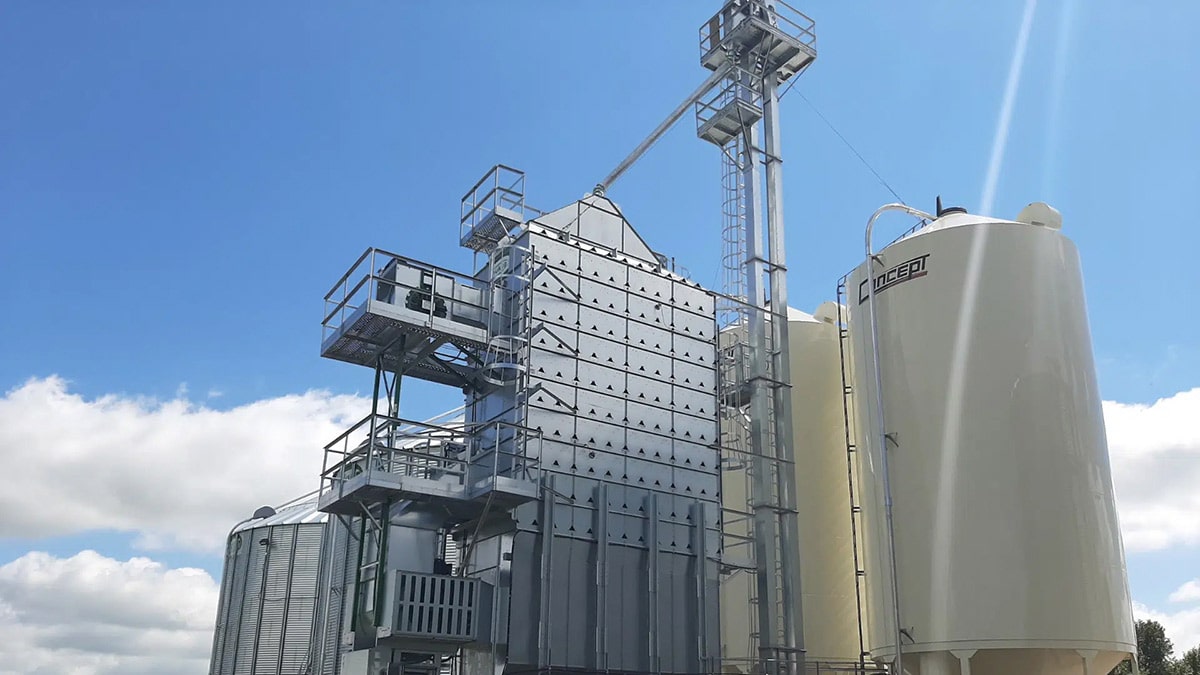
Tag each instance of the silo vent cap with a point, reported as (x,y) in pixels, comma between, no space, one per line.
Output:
(829,312)
(263,512)
(1042,215)
(947,210)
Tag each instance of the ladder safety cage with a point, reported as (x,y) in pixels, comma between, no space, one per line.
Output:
(731,304)
(511,273)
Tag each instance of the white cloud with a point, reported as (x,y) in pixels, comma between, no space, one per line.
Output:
(1155,451)
(1183,627)
(178,473)
(92,615)
(175,473)
(1189,592)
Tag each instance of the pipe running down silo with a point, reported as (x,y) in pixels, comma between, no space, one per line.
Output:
(881,427)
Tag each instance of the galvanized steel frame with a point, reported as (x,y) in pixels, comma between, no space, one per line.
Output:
(772,499)
(769,51)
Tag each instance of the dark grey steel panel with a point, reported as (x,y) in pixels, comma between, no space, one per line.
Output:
(581,570)
(523,616)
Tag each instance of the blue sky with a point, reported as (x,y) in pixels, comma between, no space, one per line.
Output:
(180,186)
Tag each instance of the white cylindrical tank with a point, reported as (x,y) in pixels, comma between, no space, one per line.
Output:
(1008,552)
(822,491)
(823,505)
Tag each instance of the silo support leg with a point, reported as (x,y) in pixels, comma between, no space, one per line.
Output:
(1088,655)
(964,659)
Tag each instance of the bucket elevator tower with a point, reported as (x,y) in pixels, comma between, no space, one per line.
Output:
(757,45)
(751,47)
(582,487)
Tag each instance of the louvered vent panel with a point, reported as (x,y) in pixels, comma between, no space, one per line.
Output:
(438,606)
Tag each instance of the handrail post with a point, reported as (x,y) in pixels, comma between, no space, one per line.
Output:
(496,453)
(370,278)
(324,469)
(341,310)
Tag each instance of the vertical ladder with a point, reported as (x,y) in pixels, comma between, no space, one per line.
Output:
(860,573)
(733,314)
(369,584)
(747,367)
(730,309)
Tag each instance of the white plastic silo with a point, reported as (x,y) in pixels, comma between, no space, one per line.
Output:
(823,506)
(1008,552)
(822,491)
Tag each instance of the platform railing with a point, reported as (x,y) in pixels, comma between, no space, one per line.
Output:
(504,449)
(786,18)
(373,277)
(380,444)
(739,86)
(795,23)
(909,232)
(502,186)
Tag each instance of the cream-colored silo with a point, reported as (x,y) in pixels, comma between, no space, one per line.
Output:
(823,505)
(822,491)
(1008,554)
